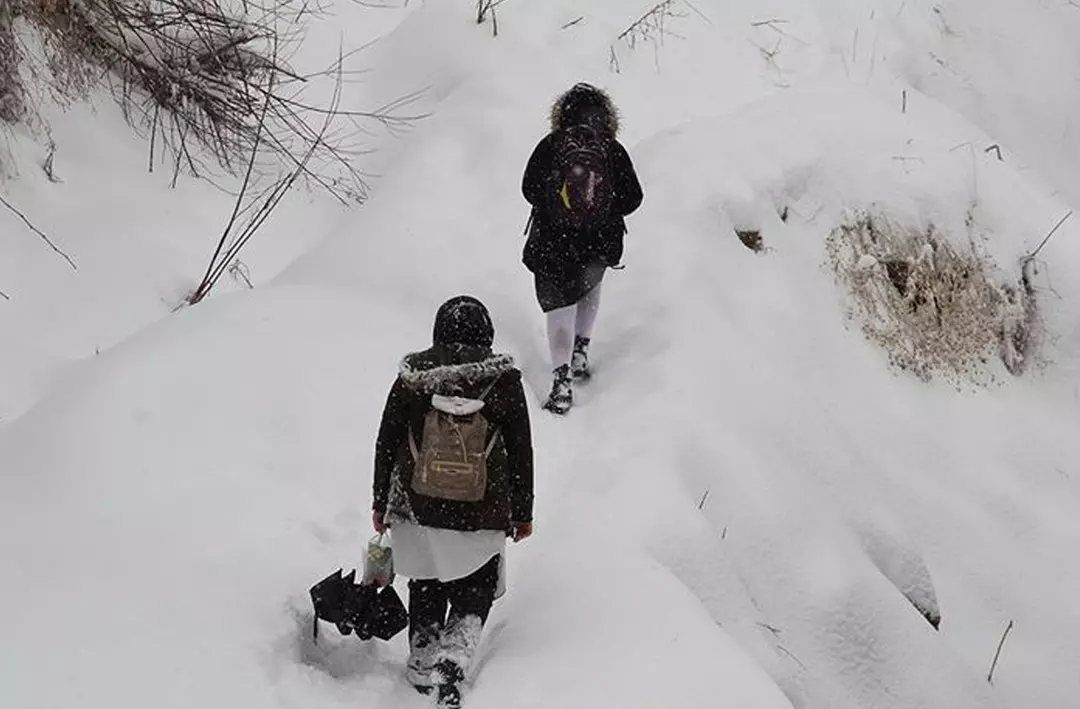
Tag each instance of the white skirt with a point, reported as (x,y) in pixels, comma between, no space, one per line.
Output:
(443,554)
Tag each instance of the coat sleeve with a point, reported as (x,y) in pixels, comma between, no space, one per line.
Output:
(393,435)
(628,192)
(535,182)
(517,436)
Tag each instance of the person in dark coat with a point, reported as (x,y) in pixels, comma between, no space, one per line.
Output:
(568,266)
(451,550)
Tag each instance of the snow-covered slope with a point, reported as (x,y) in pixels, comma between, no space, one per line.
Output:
(733,515)
(137,245)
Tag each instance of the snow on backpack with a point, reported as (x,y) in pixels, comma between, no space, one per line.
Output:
(451,460)
(585,188)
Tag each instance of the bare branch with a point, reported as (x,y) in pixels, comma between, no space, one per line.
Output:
(1057,226)
(37,231)
(993,665)
(768,23)
(259,209)
(650,21)
(205,284)
(652,27)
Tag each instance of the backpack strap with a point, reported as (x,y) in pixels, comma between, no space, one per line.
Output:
(491,443)
(488,388)
(412,446)
(496,432)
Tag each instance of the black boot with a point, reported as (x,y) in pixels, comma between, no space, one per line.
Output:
(562,393)
(579,364)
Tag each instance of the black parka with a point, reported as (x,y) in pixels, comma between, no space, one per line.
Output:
(550,253)
(456,371)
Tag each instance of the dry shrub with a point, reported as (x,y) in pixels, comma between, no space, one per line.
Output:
(12,93)
(207,80)
(934,308)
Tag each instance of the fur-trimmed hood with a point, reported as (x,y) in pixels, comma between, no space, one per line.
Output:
(568,107)
(424,372)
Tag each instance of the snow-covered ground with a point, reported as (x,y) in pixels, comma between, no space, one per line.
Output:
(736,510)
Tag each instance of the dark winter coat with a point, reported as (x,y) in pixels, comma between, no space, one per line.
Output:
(456,372)
(551,254)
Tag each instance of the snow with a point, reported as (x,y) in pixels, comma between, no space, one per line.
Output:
(748,507)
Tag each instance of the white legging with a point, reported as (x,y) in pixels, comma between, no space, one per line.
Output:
(575,320)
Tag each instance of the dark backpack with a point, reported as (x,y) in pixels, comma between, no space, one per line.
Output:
(585,190)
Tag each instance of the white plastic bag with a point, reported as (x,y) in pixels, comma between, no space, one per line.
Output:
(378,563)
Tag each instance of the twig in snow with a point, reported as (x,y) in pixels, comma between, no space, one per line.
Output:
(651,21)
(769,55)
(4,295)
(993,665)
(905,159)
(483,7)
(613,61)
(571,23)
(997,150)
(1057,226)
(701,505)
(239,271)
(47,166)
(696,11)
(946,31)
(903,101)
(790,654)
(37,231)
(652,26)
(775,26)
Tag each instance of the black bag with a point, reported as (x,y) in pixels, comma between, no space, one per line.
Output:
(363,609)
(585,189)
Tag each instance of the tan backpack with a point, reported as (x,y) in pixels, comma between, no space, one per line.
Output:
(451,461)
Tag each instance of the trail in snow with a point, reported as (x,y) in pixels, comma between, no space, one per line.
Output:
(737,506)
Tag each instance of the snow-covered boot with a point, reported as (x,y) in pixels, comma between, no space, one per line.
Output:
(579,364)
(562,392)
(418,670)
(457,645)
(448,677)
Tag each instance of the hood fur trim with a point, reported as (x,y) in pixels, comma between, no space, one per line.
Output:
(446,378)
(598,97)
